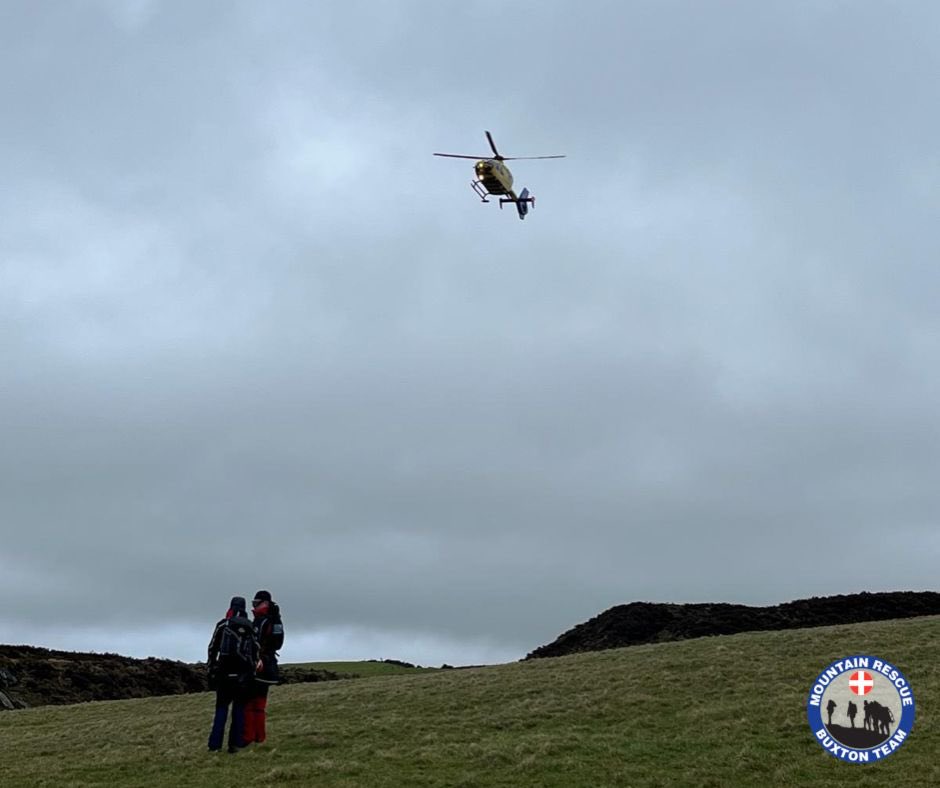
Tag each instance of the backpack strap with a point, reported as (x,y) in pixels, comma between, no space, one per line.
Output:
(215,642)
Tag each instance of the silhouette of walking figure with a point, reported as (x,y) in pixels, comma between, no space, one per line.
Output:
(867,723)
(853,710)
(830,707)
(881,718)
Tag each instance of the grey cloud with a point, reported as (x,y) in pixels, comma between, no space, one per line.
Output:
(255,335)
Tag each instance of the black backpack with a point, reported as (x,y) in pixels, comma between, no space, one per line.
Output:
(275,639)
(236,652)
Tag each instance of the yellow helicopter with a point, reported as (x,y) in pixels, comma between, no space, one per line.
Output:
(494,177)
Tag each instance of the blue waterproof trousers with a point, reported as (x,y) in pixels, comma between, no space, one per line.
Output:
(229,693)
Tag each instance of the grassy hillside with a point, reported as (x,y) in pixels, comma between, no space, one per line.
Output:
(722,711)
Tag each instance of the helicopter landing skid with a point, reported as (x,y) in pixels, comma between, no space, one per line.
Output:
(480,189)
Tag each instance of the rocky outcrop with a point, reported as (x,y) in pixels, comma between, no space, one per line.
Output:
(648,622)
(8,700)
(44,676)
(37,676)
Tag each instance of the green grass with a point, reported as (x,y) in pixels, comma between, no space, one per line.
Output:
(362,669)
(726,711)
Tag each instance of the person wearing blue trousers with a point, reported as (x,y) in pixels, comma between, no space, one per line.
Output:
(233,658)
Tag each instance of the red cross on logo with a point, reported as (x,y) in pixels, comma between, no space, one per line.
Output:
(861,682)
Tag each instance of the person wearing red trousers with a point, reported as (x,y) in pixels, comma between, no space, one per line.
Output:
(270,633)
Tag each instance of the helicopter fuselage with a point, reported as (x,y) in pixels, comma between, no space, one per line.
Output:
(494,176)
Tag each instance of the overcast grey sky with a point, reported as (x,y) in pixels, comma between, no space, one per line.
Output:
(254,335)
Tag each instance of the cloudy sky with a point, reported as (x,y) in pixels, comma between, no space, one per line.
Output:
(253,335)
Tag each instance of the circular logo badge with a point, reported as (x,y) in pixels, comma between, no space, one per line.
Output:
(861,709)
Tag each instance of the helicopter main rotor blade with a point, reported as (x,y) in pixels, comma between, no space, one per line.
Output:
(515,158)
(493,146)
(460,156)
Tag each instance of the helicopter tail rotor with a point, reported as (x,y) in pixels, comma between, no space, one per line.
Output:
(522,203)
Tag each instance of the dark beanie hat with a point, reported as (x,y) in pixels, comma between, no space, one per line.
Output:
(263,596)
(237,604)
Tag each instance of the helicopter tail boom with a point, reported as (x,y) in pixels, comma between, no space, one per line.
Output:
(523,201)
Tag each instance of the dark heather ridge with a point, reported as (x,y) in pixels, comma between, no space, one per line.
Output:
(31,676)
(647,622)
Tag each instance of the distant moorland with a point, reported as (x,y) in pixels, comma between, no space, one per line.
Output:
(31,676)
(709,712)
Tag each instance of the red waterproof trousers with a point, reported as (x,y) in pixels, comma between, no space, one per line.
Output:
(255,714)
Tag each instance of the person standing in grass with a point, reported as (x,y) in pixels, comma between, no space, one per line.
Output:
(232,662)
(270,633)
